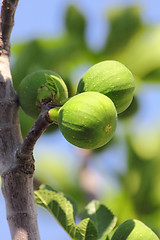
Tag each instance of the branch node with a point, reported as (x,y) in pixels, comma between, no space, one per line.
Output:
(25,163)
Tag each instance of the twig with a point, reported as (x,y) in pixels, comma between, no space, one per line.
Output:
(26,150)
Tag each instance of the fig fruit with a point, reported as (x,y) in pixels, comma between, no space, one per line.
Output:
(112,79)
(88,120)
(134,230)
(41,86)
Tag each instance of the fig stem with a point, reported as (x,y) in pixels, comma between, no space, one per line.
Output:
(40,125)
(53,114)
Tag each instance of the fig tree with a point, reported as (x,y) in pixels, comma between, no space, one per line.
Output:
(134,230)
(39,87)
(112,79)
(88,120)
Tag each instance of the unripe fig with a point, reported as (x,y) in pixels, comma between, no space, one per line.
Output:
(134,230)
(41,86)
(112,79)
(88,120)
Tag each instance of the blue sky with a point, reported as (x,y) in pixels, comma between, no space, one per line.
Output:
(45,18)
(38,18)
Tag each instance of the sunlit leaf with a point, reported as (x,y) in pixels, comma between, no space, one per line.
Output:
(62,210)
(102,217)
(86,230)
(74,205)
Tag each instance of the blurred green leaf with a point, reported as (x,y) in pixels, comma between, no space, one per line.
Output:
(118,201)
(141,181)
(62,57)
(55,172)
(153,76)
(30,59)
(142,54)
(145,143)
(152,220)
(75,23)
(102,217)
(124,23)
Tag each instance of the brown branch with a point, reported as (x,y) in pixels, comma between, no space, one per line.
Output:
(8,8)
(17,188)
(16,174)
(26,150)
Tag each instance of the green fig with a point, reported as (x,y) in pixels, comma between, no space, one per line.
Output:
(134,230)
(88,120)
(41,86)
(112,79)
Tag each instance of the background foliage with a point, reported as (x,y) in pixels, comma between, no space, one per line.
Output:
(125,174)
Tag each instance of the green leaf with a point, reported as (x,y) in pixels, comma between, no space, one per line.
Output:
(103,219)
(29,59)
(153,76)
(75,22)
(50,83)
(57,86)
(74,205)
(62,210)
(86,230)
(124,23)
(142,54)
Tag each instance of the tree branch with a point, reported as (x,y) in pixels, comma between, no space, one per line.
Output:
(16,174)
(43,121)
(8,8)
(17,188)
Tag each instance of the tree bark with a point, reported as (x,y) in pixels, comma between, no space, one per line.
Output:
(16,159)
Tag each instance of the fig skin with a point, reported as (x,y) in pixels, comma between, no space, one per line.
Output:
(34,88)
(88,120)
(112,79)
(133,229)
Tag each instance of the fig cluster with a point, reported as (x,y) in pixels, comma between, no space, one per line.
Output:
(88,119)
